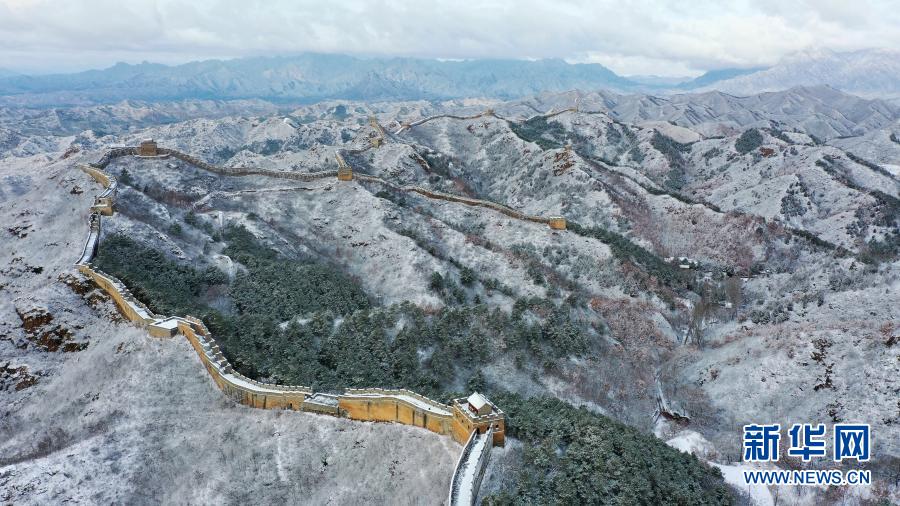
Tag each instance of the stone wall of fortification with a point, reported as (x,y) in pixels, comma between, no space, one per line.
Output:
(130,307)
(556,223)
(235,385)
(470,469)
(463,425)
(401,406)
(379,405)
(101,177)
(245,171)
(112,154)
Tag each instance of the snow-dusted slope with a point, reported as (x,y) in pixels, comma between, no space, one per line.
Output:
(815,109)
(96,411)
(871,73)
(740,185)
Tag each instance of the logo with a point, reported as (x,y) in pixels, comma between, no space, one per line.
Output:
(761,442)
(851,442)
(807,442)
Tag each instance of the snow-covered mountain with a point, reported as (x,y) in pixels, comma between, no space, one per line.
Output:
(786,203)
(821,111)
(311,77)
(308,78)
(868,73)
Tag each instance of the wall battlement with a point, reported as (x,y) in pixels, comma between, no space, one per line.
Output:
(465,423)
(401,406)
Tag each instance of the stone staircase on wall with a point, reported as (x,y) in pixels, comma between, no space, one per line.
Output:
(470,468)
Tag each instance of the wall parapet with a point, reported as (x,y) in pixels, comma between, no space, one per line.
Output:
(112,154)
(400,405)
(133,309)
(487,112)
(470,467)
(396,392)
(92,244)
(247,171)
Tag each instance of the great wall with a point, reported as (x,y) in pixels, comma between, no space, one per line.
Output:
(474,422)
(487,112)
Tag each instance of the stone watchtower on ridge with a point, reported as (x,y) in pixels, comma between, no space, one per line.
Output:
(148,148)
(557,223)
(477,413)
(345,172)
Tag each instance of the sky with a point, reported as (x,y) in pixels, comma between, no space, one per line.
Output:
(668,38)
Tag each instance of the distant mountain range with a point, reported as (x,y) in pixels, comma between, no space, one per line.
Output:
(315,77)
(869,73)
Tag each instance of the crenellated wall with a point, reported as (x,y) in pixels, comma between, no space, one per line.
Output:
(235,385)
(134,310)
(245,171)
(401,406)
(486,112)
(465,423)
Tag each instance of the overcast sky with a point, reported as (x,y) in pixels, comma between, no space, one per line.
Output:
(629,36)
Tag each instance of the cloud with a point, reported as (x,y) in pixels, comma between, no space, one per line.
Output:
(631,36)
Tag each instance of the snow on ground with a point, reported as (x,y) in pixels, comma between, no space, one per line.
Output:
(470,471)
(690,441)
(131,419)
(759,495)
(674,132)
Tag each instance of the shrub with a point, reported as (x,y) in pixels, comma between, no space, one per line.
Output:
(125,178)
(673,151)
(873,166)
(627,251)
(467,276)
(437,282)
(573,456)
(538,130)
(166,286)
(748,141)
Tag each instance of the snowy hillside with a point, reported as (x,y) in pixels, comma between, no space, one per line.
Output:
(867,73)
(725,261)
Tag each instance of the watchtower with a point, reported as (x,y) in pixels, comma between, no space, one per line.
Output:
(148,148)
(345,172)
(557,223)
(477,413)
(103,205)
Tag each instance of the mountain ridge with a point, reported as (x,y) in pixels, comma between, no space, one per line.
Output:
(867,73)
(314,77)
